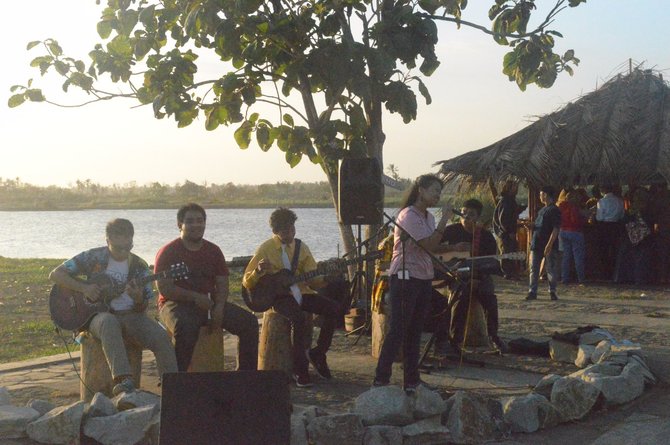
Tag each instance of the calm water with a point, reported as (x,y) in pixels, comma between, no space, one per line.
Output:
(238,232)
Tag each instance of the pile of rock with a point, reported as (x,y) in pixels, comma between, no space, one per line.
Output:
(129,418)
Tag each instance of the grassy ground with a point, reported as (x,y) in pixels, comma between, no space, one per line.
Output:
(26,328)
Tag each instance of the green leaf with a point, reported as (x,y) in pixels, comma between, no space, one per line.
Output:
(243,135)
(293,159)
(61,67)
(15,87)
(263,137)
(55,48)
(424,92)
(569,55)
(32,44)
(104,29)
(16,100)
(79,65)
(212,119)
(288,119)
(35,95)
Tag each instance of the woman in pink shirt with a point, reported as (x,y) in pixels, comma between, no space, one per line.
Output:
(411,274)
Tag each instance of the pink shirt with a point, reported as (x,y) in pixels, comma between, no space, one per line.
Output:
(417,262)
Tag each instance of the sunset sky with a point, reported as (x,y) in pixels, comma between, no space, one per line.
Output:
(473,102)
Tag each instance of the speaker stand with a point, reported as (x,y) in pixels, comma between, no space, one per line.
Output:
(359,288)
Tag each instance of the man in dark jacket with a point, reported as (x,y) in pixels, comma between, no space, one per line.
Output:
(504,226)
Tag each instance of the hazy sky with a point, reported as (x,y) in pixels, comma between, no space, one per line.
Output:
(473,102)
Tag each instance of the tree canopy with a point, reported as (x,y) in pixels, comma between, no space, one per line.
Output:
(327,69)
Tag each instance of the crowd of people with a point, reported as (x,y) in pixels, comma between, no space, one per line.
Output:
(630,235)
(608,235)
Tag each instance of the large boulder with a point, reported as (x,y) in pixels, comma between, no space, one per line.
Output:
(526,414)
(386,405)
(41,406)
(124,428)
(584,355)
(561,351)
(5,397)
(473,418)
(427,403)
(545,384)
(382,435)
(101,406)
(14,420)
(298,430)
(426,432)
(620,388)
(336,430)
(573,397)
(61,425)
(135,399)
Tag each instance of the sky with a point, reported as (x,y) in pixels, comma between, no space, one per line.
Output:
(473,106)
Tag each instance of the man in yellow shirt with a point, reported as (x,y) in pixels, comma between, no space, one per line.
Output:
(278,253)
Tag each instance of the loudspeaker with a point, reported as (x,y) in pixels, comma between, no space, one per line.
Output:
(225,408)
(361,194)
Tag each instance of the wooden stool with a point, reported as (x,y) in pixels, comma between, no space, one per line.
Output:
(95,373)
(208,352)
(381,323)
(274,345)
(476,330)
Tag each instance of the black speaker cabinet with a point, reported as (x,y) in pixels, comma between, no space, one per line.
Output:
(225,408)
(361,193)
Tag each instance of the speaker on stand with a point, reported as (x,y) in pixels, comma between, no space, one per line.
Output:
(360,202)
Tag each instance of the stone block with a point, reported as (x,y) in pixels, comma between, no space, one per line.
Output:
(14,420)
(336,430)
(573,397)
(561,351)
(61,425)
(386,405)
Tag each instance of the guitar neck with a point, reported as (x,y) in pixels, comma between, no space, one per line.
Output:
(316,272)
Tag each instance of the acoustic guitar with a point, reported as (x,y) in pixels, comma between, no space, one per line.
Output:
(72,311)
(272,286)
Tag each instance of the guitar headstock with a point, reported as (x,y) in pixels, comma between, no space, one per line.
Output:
(178,271)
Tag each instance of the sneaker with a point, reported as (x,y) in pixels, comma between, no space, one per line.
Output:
(499,344)
(126,385)
(553,296)
(412,387)
(531,296)
(302,380)
(318,360)
(379,383)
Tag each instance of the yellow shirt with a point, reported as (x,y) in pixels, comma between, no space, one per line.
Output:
(271,251)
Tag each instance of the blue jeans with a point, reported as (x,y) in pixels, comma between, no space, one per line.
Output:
(410,303)
(572,245)
(550,264)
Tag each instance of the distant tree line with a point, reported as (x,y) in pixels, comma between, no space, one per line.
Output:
(86,194)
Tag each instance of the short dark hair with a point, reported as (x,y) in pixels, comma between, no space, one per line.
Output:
(282,218)
(474,204)
(549,190)
(119,226)
(191,206)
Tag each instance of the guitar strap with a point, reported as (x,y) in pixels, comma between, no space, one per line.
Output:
(296,255)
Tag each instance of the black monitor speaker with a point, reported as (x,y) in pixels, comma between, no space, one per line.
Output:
(225,408)
(361,193)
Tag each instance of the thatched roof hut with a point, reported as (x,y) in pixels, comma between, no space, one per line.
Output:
(617,134)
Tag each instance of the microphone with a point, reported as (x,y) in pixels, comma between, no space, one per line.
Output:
(458,213)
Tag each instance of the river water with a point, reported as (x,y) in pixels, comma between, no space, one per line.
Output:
(62,234)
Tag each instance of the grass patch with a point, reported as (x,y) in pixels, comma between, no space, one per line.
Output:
(26,328)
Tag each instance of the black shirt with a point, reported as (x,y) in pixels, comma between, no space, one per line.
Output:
(548,219)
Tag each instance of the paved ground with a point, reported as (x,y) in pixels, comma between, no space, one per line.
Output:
(638,315)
